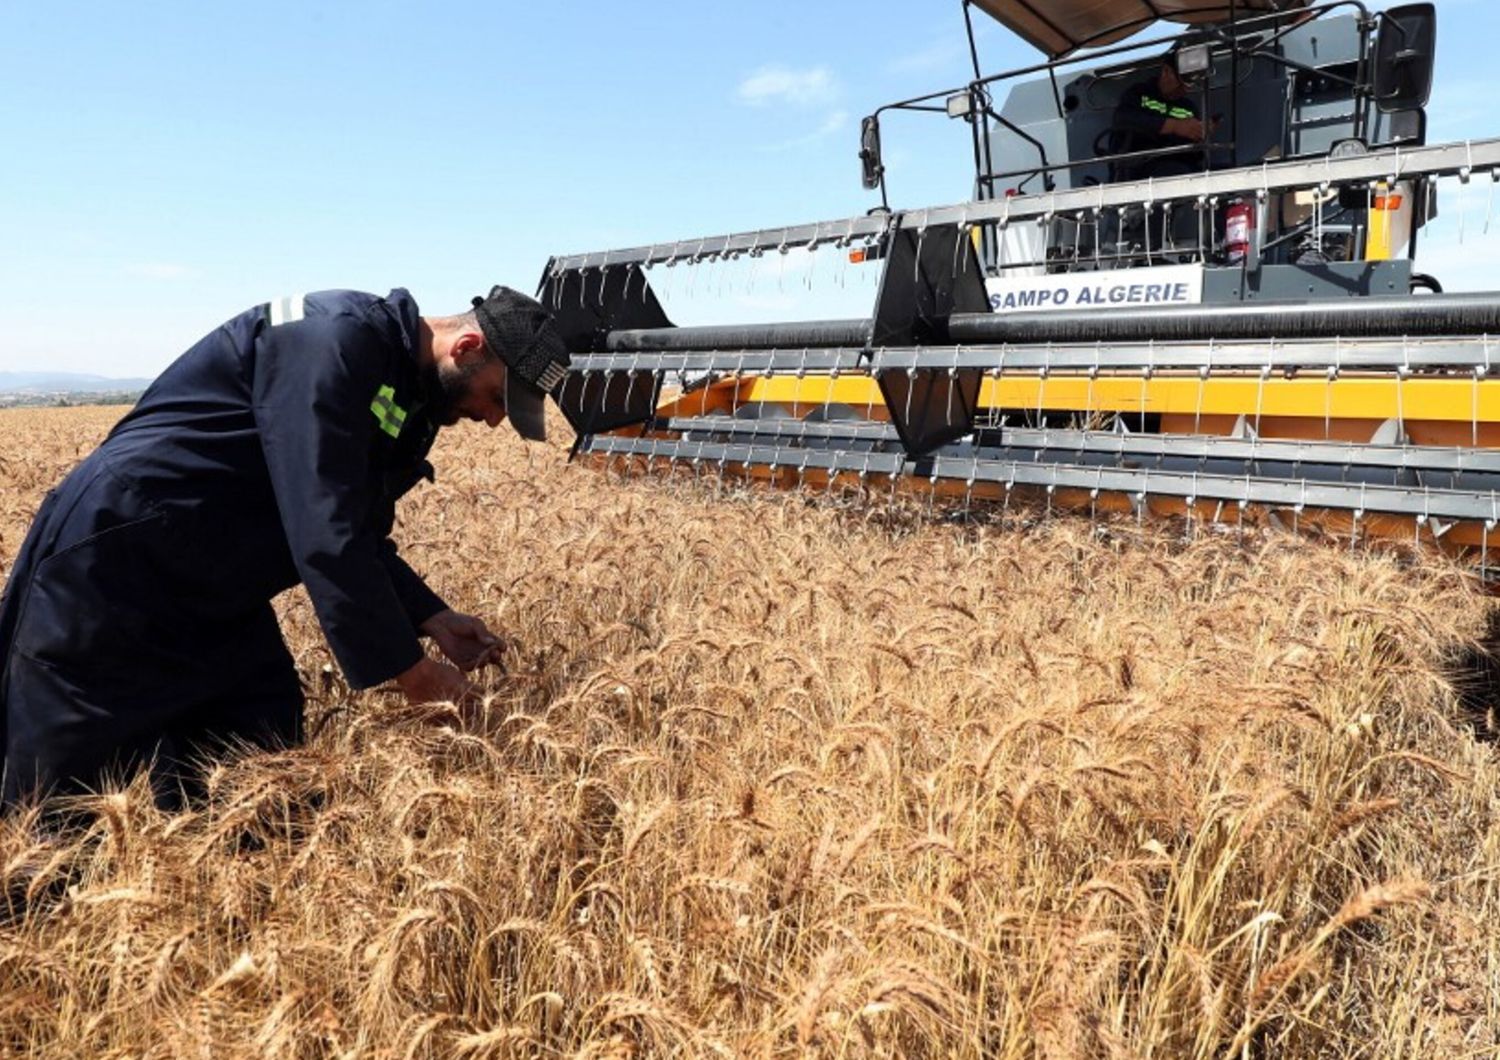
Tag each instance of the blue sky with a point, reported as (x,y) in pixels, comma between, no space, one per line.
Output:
(170,163)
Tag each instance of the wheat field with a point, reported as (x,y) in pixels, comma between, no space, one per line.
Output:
(779,776)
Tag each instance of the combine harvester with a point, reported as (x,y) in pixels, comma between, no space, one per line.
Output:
(1230,331)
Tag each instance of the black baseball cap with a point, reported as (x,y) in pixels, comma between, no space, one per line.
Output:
(520,331)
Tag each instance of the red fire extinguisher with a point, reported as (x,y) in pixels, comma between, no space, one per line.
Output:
(1239,223)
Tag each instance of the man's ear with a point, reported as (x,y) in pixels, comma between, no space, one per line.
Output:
(468,348)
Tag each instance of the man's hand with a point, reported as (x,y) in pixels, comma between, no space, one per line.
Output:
(1187,128)
(430,681)
(464,639)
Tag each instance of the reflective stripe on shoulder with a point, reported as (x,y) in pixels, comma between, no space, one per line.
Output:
(388,414)
(287,310)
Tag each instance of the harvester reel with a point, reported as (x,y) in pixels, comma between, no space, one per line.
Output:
(1366,414)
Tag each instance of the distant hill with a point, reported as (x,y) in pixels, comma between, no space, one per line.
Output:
(65,383)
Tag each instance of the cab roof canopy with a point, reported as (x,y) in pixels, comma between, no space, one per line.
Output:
(1058,27)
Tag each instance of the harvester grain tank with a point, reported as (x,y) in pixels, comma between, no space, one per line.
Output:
(1230,329)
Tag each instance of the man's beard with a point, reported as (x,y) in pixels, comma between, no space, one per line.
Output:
(446,390)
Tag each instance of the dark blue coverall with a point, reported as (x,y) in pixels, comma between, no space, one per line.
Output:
(137,621)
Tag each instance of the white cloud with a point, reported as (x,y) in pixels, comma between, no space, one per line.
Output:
(834,122)
(816,87)
(158,270)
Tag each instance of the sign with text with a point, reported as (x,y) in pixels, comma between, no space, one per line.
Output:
(1167,285)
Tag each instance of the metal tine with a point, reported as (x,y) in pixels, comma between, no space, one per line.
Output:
(1478,374)
(739,375)
(916,265)
(1041,392)
(724,260)
(752,256)
(630,386)
(630,270)
(1319,201)
(961,233)
(1484,540)
(911,385)
(555,282)
(952,386)
(1489,206)
(669,286)
(829,382)
(1333,374)
(651,455)
(1150,204)
(693,463)
(781,251)
(722,462)
(1402,371)
(1001,227)
(604,383)
(1204,371)
(801,376)
(693,260)
(1475,376)
(1205,222)
(831,474)
(1147,372)
(1358,518)
(1464,173)
(1098,227)
(1260,398)
(647,264)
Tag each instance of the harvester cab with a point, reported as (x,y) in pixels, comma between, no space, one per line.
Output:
(1270,83)
(1222,326)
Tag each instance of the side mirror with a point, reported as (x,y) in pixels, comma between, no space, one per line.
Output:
(869,152)
(1405,49)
